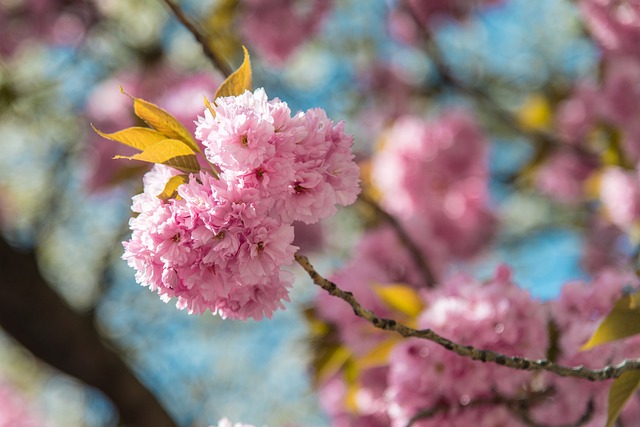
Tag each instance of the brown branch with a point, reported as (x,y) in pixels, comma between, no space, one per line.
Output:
(200,36)
(514,362)
(405,239)
(43,323)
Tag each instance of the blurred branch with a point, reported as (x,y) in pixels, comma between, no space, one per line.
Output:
(43,323)
(514,362)
(200,36)
(547,142)
(415,252)
(586,416)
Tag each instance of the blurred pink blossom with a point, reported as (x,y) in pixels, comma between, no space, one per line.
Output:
(434,177)
(495,315)
(620,196)
(615,24)
(276,28)
(15,411)
(563,176)
(54,22)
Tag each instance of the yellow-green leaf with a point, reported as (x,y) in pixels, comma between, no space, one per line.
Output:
(238,81)
(335,359)
(400,298)
(171,187)
(170,152)
(162,121)
(137,137)
(379,356)
(621,390)
(622,322)
(208,105)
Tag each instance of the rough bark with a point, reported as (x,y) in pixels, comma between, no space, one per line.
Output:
(37,317)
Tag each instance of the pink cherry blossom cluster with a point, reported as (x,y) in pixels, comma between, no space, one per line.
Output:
(495,314)
(55,22)
(222,243)
(434,177)
(420,375)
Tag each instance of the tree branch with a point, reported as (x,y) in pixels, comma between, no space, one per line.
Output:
(36,316)
(218,62)
(514,362)
(405,239)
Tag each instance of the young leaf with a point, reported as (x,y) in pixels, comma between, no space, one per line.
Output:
(622,322)
(238,81)
(621,390)
(137,137)
(171,187)
(209,106)
(170,152)
(332,362)
(162,121)
(400,298)
(379,355)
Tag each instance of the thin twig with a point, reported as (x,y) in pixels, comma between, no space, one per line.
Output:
(199,35)
(415,252)
(514,362)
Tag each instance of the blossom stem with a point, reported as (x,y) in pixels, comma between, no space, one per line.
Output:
(218,62)
(487,356)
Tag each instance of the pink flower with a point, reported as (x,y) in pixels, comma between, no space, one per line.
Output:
(620,195)
(495,315)
(434,177)
(563,176)
(211,249)
(303,163)
(220,245)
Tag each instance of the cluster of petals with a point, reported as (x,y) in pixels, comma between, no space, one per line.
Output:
(434,176)
(221,244)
